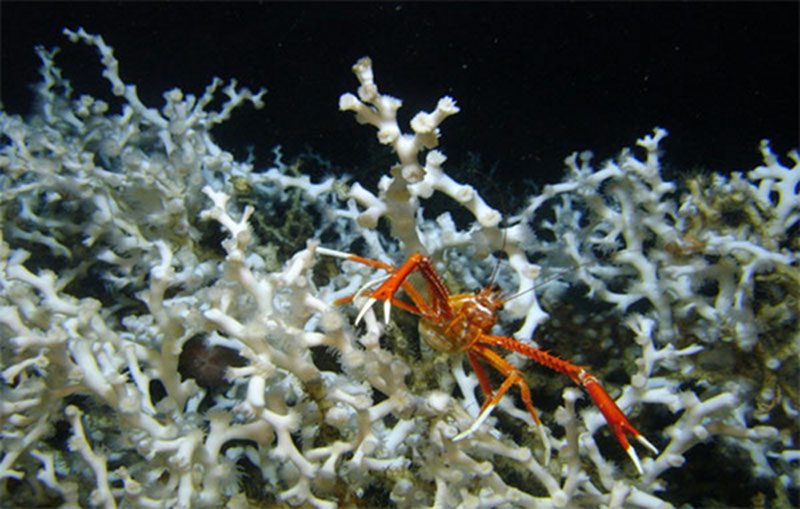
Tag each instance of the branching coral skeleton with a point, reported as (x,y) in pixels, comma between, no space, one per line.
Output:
(106,274)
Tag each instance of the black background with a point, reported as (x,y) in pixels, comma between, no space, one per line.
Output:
(535,81)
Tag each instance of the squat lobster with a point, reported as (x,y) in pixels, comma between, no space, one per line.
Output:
(463,323)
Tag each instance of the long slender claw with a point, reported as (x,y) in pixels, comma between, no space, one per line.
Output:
(475,425)
(333,252)
(387,309)
(485,415)
(369,284)
(619,424)
(645,442)
(635,458)
(621,427)
(370,302)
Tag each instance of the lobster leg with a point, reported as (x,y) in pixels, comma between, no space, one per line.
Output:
(619,424)
(486,387)
(438,293)
(513,377)
(397,279)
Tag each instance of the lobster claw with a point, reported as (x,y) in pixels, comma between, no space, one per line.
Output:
(619,424)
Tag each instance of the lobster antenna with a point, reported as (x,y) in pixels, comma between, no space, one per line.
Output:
(503,221)
(557,275)
(496,268)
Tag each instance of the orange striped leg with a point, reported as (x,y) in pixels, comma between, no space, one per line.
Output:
(616,420)
(486,387)
(389,285)
(513,377)
(437,291)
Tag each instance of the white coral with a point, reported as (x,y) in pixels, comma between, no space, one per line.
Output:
(125,196)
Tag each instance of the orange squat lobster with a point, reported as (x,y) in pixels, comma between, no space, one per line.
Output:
(462,323)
